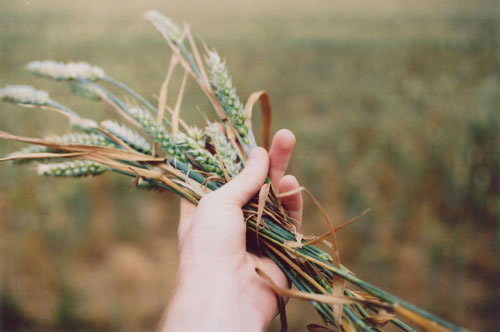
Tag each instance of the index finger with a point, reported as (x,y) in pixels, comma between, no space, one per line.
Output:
(280,154)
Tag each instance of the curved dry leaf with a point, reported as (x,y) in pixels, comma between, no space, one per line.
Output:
(322,237)
(265,108)
(323,298)
(381,318)
(293,244)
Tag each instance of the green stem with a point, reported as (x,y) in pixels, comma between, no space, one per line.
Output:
(358,320)
(192,173)
(155,183)
(387,296)
(106,92)
(130,92)
(351,325)
(253,143)
(114,98)
(362,284)
(402,325)
(296,280)
(189,58)
(63,108)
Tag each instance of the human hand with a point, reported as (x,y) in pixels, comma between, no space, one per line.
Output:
(217,287)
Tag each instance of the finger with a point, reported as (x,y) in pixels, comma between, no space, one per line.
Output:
(244,186)
(273,271)
(187,211)
(292,203)
(280,154)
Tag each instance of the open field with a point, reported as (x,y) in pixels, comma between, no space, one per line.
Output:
(395,107)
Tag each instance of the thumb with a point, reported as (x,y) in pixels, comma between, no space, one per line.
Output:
(243,187)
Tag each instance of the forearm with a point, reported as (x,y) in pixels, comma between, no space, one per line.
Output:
(215,306)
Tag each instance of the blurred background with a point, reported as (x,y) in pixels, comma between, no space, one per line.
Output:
(396,108)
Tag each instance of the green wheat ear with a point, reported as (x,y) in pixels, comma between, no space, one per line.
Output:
(86,125)
(24,94)
(85,139)
(27,95)
(226,94)
(66,71)
(165,26)
(86,91)
(77,168)
(171,32)
(131,138)
(203,157)
(198,135)
(225,149)
(83,73)
(158,132)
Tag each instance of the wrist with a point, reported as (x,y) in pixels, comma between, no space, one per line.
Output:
(201,303)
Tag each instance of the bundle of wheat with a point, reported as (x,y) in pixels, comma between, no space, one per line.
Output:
(192,162)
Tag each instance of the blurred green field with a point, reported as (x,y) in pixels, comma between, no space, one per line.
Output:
(396,107)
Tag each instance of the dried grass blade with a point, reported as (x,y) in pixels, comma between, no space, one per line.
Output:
(263,193)
(197,56)
(113,153)
(205,88)
(256,206)
(121,112)
(338,283)
(265,107)
(44,155)
(323,298)
(338,228)
(298,270)
(162,97)
(153,174)
(177,109)
(290,192)
(116,139)
(423,322)
(181,122)
(298,239)
(50,108)
(323,213)
(104,151)
(363,295)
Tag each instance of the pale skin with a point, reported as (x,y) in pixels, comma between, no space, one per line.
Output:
(217,286)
